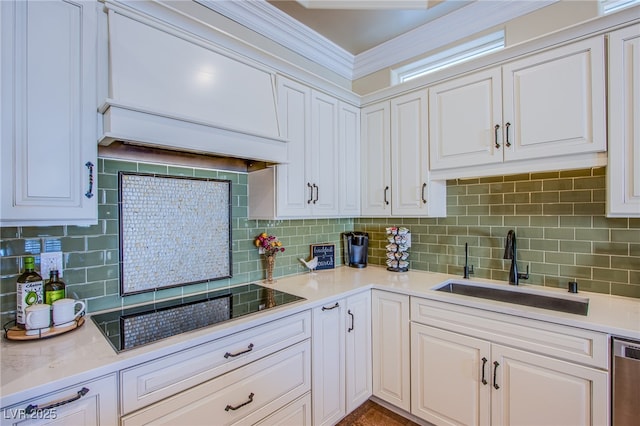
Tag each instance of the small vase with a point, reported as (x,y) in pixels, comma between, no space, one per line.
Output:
(271,263)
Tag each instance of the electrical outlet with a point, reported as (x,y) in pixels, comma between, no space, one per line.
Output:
(50,261)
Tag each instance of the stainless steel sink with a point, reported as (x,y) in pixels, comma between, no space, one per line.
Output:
(570,305)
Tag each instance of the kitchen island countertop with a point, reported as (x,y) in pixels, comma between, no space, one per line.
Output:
(32,368)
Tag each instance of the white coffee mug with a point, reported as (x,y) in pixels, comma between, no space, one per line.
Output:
(64,311)
(37,318)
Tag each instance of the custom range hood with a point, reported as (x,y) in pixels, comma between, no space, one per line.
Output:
(170,89)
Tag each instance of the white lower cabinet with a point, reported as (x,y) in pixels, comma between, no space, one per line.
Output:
(243,396)
(90,403)
(390,348)
(463,374)
(341,357)
(241,378)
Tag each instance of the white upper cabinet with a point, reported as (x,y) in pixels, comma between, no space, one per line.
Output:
(49,113)
(349,146)
(463,115)
(293,188)
(548,105)
(324,162)
(623,173)
(321,175)
(395,160)
(375,160)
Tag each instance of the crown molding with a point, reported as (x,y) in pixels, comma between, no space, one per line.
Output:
(272,23)
(471,19)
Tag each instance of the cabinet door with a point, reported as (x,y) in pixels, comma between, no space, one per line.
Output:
(463,115)
(538,390)
(293,184)
(409,154)
(324,154)
(49,113)
(90,403)
(358,350)
(390,348)
(623,173)
(375,160)
(349,146)
(328,388)
(555,102)
(451,382)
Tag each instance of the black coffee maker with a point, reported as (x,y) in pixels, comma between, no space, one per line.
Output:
(356,245)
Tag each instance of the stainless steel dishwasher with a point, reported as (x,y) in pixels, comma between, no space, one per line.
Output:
(626,382)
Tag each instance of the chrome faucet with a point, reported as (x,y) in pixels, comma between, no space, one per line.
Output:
(510,252)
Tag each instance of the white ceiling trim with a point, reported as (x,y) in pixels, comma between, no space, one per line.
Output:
(271,22)
(467,21)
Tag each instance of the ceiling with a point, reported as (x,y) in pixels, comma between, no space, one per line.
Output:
(358,26)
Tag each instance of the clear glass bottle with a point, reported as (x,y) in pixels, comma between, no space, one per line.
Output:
(54,289)
(29,289)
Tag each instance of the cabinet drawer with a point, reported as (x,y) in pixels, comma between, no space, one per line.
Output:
(244,396)
(150,382)
(568,343)
(90,403)
(298,413)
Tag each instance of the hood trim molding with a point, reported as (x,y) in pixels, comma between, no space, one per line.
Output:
(134,125)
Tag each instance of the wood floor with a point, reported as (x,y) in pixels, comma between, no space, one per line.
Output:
(372,414)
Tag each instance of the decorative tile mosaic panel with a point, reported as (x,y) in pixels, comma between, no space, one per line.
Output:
(173,231)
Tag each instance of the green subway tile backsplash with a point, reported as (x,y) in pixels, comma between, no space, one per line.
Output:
(558,217)
(560,223)
(91,252)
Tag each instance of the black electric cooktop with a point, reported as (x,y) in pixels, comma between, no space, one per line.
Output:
(132,327)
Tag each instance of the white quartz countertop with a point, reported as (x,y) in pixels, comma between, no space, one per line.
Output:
(32,368)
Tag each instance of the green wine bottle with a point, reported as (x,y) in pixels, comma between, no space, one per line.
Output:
(28,289)
(54,289)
